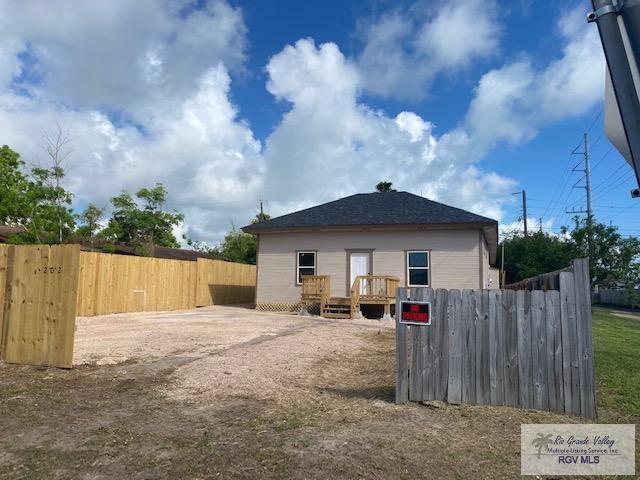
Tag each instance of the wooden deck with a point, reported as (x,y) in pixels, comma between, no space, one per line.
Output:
(366,290)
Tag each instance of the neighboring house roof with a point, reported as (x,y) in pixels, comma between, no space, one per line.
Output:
(401,209)
(158,252)
(7,231)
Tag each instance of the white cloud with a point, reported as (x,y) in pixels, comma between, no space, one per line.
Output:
(405,51)
(144,90)
(164,73)
(513,102)
(329,144)
(121,55)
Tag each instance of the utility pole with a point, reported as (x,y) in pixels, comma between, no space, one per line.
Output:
(524,209)
(587,175)
(587,187)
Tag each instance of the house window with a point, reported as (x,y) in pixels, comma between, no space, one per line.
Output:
(305,265)
(418,268)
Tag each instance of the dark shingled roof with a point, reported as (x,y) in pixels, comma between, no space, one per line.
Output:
(386,208)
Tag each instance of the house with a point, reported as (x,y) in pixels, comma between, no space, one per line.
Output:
(7,231)
(364,246)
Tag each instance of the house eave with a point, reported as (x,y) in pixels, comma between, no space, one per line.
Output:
(490,230)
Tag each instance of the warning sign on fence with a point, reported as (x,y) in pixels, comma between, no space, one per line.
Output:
(415,313)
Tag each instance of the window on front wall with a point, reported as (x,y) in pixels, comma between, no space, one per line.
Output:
(418,268)
(305,265)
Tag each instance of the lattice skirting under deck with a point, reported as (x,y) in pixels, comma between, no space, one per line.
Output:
(313,309)
(277,307)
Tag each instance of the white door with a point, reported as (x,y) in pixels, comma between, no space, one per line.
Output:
(359,266)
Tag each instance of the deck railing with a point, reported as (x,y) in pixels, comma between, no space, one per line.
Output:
(316,287)
(378,287)
(372,288)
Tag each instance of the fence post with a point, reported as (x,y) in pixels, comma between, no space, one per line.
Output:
(585,342)
(402,366)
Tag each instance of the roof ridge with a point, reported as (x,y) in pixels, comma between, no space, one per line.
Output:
(373,208)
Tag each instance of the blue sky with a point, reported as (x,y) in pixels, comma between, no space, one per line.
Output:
(536,165)
(297,103)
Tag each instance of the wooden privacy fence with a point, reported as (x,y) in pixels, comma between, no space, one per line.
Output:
(225,283)
(38,290)
(43,288)
(620,298)
(518,347)
(118,283)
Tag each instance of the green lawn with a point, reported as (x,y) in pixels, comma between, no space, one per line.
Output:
(617,358)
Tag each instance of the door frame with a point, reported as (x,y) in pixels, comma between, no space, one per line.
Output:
(349,251)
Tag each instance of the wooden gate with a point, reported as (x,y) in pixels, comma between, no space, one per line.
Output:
(518,347)
(38,290)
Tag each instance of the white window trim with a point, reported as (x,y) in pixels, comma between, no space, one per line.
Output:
(298,267)
(427,268)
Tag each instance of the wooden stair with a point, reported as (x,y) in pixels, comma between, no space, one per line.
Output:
(336,307)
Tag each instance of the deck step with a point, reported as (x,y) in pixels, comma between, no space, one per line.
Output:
(339,301)
(336,315)
(337,307)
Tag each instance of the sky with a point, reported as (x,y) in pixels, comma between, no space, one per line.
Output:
(297,103)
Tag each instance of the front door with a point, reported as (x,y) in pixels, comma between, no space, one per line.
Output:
(359,266)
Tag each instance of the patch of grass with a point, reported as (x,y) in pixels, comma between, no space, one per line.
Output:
(617,356)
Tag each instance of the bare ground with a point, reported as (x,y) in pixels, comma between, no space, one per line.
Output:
(230,393)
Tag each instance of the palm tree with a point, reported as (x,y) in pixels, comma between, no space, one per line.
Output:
(385,187)
(541,441)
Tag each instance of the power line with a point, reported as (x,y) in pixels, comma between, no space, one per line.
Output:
(601,159)
(616,183)
(595,120)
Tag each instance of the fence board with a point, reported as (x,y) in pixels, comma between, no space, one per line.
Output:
(4,250)
(569,343)
(497,369)
(585,343)
(456,341)
(525,374)
(402,367)
(482,379)
(512,380)
(419,347)
(539,350)
(431,350)
(469,318)
(554,349)
(441,370)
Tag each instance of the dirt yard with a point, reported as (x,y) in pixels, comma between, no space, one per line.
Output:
(233,393)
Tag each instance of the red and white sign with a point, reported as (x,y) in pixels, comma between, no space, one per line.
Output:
(415,313)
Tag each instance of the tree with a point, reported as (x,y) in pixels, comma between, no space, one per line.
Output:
(261,216)
(613,257)
(144,226)
(55,144)
(238,246)
(534,254)
(385,187)
(37,202)
(89,219)
(50,218)
(14,186)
